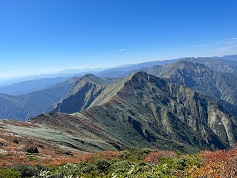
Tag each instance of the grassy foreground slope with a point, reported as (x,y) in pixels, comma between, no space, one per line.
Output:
(139,163)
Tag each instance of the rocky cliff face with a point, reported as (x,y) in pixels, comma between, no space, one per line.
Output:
(225,64)
(78,100)
(200,78)
(82,95)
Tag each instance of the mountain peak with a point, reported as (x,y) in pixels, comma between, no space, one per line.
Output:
(140,74)
(188,64)
(97,80)
(141,77)
(87,89)
(89,77)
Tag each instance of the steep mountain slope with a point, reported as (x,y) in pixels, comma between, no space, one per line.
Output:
(23,107)
(146,111)
(82,95)
(200,78)
(220,64)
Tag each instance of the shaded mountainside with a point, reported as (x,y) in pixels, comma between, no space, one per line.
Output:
(23,107)
(31,85)
(146,111)
(225,64)
(82,95)
(200,78)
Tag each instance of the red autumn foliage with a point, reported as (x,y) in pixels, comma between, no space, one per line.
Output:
(152,158)
(220,164)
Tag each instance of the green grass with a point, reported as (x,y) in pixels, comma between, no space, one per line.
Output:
(32,157)
(2,156)
(9,173)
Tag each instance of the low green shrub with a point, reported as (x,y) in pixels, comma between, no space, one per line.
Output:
(121,167)
(32,157)
(29,170)
(131,164)
(2,155)
(102,166)
(9,173)
(135,155)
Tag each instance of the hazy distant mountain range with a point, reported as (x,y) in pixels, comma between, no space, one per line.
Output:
(214,77)
(24,106)
(31,85)
(34,83)
(184,104)
(226,64)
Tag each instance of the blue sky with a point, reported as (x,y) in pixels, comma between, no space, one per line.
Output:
(45,36)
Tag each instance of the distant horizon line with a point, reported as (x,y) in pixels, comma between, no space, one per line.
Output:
(5,80)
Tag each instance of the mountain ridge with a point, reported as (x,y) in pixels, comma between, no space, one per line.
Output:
(82,94)
(201,78)
(148,111)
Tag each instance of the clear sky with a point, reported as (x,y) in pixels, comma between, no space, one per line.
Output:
(45,36)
